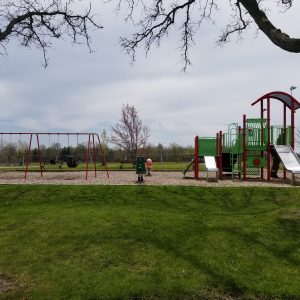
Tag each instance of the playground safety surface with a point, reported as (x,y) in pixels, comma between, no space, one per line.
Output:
(130,178)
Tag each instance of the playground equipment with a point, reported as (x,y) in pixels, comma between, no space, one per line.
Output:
(91,151)
(289,158)
(210,165)
(247,150)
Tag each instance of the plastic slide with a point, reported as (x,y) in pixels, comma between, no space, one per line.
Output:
(210,164)
(289,158)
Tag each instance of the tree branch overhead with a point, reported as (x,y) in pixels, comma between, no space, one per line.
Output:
(37,23)
(160,16)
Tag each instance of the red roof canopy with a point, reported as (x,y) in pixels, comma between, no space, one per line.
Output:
(285,98)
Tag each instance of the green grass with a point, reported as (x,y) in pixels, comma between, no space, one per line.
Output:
(133,242)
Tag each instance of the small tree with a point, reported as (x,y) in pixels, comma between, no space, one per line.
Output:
(129,133)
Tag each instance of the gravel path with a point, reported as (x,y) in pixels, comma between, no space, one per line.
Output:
(127,178)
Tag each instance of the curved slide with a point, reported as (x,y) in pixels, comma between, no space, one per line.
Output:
(289,158)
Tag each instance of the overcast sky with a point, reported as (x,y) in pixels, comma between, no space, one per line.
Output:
(80,91)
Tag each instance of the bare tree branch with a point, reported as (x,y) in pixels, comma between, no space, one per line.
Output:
(37,22)
(129,133)
(160,16)
(275,35)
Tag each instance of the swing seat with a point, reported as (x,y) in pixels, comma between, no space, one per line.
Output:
(72,162)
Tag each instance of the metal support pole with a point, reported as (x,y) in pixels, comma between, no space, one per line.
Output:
(103,155)
(220,155)
(293,123)
(94,155)
(28,156)
(87,158)
(262,136)
(196,168)
(239,154)
(268,143)
(284,135)
(244,149)
(39,153)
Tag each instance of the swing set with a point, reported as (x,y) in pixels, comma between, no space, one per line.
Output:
(91,150)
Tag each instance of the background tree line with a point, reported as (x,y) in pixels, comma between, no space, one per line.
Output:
(16,153)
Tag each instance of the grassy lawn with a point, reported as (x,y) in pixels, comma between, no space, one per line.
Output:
(133,242)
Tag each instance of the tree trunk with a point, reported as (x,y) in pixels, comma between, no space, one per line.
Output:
(275,35)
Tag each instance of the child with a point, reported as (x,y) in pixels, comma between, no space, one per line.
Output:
(149,166)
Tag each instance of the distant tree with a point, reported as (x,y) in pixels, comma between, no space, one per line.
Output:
(104,140)
(156,18)
(53,151)
(80,151)
(129,133)
(8,153)
(65,152)
(37,22)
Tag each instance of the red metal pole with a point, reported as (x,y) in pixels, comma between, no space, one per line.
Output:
(262,136)
(244,149)
(239,162)
(39,153)
(94,156)
(87,158)
(284,124)
(293,122)
(103,155)
(196,168)
(28,156)
(268,144)
(284,135)
(217,144)
(220,155)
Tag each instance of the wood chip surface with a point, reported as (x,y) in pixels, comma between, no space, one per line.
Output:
(130,178)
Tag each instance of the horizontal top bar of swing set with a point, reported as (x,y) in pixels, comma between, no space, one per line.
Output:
(50,133)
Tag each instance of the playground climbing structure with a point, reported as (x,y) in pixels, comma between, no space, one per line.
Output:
(247,150)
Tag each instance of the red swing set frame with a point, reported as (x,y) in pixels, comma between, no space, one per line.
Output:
(91,145)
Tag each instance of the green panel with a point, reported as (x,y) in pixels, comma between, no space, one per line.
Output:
(232,141)
(288,135)
(225,143)
(257,162)
(207,146)
(277,135)
(256,134)
(237,144)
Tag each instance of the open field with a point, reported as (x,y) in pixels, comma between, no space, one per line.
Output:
(147,242)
